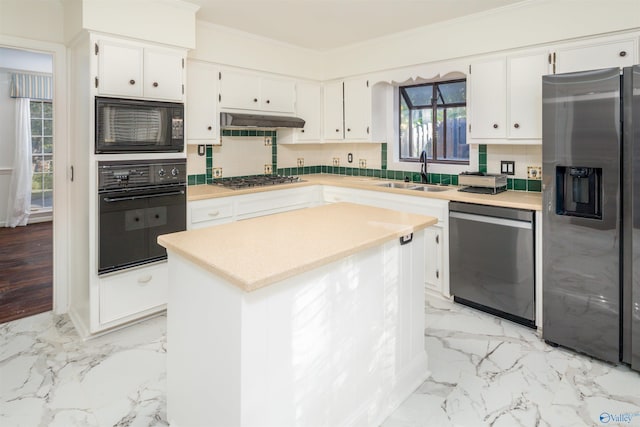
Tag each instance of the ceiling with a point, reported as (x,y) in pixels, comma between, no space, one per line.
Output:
(329,24)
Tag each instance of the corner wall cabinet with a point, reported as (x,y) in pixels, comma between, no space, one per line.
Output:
(247,91)
(592,56)
(134,70)
(347,111)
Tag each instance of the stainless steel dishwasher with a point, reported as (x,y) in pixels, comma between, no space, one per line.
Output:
(491,260)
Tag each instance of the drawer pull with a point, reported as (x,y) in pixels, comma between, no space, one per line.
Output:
(144,279)
(214,213)
(437,274)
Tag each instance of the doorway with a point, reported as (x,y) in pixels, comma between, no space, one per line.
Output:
(26,250)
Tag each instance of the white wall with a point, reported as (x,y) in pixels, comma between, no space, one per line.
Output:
(32,19)
(231,47)
(525,24)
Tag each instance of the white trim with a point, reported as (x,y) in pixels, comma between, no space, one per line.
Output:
(5,171)
(61,161)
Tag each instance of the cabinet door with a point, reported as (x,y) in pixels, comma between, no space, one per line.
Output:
(202,103)
(357,110)
(239,91)
(163,71)
(525,95)
(333,111)
(433,258)
(488,99)
(119,69)
(308,102)
(619,53)
(277,95)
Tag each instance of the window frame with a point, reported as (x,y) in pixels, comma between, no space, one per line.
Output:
(434,106)
(37,156)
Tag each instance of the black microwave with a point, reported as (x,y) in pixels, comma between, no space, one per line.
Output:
(138,126)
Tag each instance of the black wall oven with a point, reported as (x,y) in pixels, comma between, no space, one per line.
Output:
(138,201)
(138,126)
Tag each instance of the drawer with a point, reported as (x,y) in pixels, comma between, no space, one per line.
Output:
(201,212)
(133,293)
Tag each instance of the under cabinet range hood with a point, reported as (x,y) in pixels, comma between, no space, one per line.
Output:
(238,120)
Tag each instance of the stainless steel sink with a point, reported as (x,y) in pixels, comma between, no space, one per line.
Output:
(430,188)
(404,185)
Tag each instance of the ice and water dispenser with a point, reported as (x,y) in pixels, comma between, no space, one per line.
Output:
(579,191)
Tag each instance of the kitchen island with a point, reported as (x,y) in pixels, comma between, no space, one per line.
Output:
(309,317)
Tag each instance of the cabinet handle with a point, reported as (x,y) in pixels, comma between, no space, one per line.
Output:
(155,84)
(209,128)
(437,274)
(437,238)
(495,126)
(337,130)
(268,102)
(302,130)
(255,99)
(517,126)
(348,129)
(145,279)
(132,82)
(623,53)
(367,130)
(214,213)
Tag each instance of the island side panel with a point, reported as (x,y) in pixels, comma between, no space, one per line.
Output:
(203,347)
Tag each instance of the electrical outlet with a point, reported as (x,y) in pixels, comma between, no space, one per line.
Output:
(268,169)
(508,167)
(534,172)
(216,172)
(363,163)
(300,162)
(267,140)
(336,161)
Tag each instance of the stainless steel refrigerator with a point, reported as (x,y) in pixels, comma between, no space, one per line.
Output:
(591,213)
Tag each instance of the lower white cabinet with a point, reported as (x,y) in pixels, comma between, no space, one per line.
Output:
(434,267)
(134,293)
(208,212)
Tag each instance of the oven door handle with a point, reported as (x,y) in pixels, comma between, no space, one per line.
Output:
(146,196)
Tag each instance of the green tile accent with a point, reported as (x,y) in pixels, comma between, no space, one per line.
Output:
(191,180)
(520,184)
(482,148)
(445,179)
(434,178)
(209,162)
(383,155)
(253,133)
(534,185)
(454,179)
(226,132)
(398,175)
(509,183)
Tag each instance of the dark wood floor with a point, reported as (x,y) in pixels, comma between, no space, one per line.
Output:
(26,270)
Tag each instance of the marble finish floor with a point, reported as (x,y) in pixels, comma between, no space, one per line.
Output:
(485,371)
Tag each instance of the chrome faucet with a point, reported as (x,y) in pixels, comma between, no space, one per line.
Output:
(423,167)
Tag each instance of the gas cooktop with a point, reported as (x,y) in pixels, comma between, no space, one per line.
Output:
(237,183)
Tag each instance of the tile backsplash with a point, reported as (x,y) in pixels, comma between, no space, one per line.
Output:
(243,153)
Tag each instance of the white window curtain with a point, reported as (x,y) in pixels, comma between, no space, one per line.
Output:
(19,204)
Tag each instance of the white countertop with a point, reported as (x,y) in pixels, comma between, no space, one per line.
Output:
(509,199)
(261,251)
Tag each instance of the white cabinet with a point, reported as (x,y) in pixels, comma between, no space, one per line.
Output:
(135,70)
(506,99)
(347,110)
(133,294)
(208,212)
(611,53)
(333,111)
(202,104)
(433,258)
(247,91)
(357,110)
(308,108)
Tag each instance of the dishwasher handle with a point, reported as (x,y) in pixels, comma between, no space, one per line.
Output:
(491,220)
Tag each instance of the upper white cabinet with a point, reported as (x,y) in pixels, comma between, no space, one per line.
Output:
(333,112)
(247,91)
(308,108)
(139,71)
(506,99)
(203,122)
(611,53)
(347,110)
